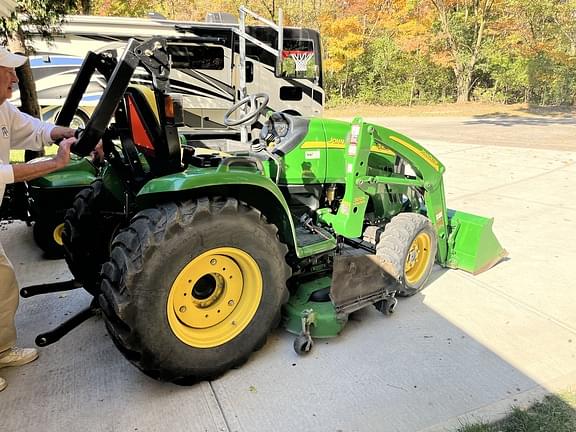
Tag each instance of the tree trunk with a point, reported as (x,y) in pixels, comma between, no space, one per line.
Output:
(26,84)
(463,84)
(85,7)
(412,88)
(464,70)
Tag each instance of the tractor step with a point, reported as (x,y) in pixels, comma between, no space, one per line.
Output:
(312,239)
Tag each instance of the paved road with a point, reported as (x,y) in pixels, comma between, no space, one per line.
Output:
(554,132)
(467,347)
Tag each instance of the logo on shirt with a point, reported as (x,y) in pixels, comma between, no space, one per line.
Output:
(4,131)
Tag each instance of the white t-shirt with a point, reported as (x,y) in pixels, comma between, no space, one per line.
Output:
(19,131)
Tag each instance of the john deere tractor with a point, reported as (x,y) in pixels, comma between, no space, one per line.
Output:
(195,255)
(43,202)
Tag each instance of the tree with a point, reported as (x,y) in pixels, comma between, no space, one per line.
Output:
(31,15)
(411,25)
(565,18)
(344,45)
(85,7)
(542,35)
(463,25)
(41,16)
(135,8)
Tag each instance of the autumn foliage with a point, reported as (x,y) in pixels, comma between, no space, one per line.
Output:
(418,51)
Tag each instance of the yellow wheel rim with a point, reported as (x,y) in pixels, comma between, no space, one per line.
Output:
(214,297)
(418,258)
(57,234)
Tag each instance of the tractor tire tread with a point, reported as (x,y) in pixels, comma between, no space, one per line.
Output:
(144,237)
(394,245)
(82,236)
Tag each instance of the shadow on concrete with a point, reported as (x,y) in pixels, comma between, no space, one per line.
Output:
(406,372)
(509,120)
(536,110)
(549,110)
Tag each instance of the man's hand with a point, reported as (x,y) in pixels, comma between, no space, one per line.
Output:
(30,171)
(60,132)
(98,153)
(63,156)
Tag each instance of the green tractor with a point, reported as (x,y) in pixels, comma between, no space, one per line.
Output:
(43,202)
(194,255)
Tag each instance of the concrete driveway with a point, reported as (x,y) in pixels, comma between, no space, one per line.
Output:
(467,347)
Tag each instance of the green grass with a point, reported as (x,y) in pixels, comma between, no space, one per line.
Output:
(18,155)
(556,413)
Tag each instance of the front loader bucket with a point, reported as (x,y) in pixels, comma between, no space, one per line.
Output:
(472,245)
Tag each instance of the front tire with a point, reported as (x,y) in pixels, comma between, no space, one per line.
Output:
(193,288)
(408,247)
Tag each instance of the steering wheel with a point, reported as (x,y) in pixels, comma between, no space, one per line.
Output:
(278,126)
(257,104)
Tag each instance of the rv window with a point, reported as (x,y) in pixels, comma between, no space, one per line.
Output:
(249,71)
(290,93)
(196,57)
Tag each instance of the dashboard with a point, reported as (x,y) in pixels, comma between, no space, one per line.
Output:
(278,125)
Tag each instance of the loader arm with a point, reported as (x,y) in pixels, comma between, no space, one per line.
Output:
(465,241)
(349,220)
(429,171)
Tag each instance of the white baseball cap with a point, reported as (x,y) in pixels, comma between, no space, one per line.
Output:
(7,59)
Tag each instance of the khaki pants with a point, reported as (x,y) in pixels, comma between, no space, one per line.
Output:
(8,302)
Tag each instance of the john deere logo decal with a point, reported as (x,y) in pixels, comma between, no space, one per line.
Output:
(4,132)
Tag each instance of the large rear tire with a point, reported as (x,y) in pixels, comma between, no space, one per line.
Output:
(193,288)
(87,235)
(408,247)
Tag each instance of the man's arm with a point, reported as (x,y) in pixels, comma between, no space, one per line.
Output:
(30,171)
(30,133)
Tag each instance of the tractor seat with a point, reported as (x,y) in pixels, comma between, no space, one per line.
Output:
(149,131)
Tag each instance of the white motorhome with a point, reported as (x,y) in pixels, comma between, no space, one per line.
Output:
(205,65)
(6,7)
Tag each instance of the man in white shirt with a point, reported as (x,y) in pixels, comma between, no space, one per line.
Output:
(20,131)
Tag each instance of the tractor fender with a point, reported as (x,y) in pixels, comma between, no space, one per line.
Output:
(78,173)
(248,186)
